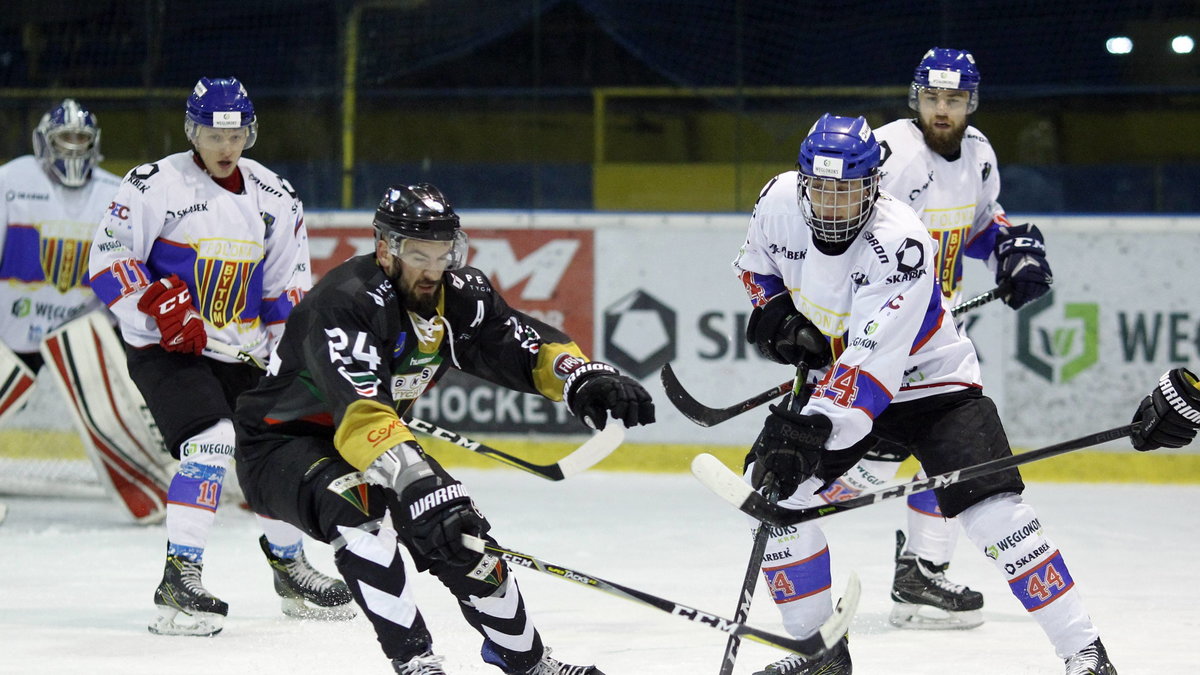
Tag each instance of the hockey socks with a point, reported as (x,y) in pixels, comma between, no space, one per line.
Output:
(1008,531)
(195,491)
(795,565)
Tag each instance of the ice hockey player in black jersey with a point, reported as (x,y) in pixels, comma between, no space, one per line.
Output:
(322,444)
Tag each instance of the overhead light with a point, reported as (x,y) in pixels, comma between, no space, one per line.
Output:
(1118,45)
(1182,44)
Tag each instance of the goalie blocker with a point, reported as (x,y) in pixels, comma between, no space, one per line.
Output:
(88,362)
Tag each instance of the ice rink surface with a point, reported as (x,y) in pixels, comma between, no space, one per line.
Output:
(76,582)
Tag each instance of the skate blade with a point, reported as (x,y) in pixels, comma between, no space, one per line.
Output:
(925,617)
(297,608)
(171,621)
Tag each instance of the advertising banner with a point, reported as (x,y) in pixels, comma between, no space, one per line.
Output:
(643,290)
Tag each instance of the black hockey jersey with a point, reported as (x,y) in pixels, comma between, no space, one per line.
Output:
(353,359)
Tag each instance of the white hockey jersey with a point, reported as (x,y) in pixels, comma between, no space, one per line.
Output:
(46,233)
(957,200)
(889,329)
(244,256)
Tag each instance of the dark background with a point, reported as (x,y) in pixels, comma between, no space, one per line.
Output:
(498,101)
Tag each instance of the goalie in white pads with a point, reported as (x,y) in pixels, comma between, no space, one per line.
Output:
(52,200)
(828,253)
(207,245)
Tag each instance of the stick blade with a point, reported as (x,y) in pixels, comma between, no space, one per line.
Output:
(839,624)
(717,477)
(689,407)
(600,445)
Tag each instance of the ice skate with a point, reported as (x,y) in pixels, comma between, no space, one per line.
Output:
(925,599)
(546,666)
(836,661)
(185,607)
(307,593)
(423,664)
(1091,660)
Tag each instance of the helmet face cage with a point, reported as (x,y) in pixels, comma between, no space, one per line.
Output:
(838,177)
(952,69)
(220,103)
(835,210)
(67,142)
(402,246)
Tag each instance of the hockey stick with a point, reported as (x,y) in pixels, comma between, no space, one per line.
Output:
(830,633)
(733,489)
(234,353)
(707,417)
(761,535)
(596,448)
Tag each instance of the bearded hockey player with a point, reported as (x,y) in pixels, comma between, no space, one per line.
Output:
(947,172)
(322,443)
(827,251)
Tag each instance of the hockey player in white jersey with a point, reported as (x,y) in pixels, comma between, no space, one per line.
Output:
(52,200)
(200,246)
(947,172)
(828,252)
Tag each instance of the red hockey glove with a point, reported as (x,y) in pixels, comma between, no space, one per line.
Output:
(170,303)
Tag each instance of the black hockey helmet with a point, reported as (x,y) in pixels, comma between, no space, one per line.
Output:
(419,212)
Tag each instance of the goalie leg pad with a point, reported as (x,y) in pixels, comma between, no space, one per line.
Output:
(86,359)
(16,382)
(1009,532)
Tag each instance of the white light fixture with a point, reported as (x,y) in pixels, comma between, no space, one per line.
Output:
(1182,44)
(1118,45)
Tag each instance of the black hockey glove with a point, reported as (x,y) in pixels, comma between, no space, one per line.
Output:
(1170,415)
(784,335)
(1021,265)
(788,448)
(594,390)
(431,510)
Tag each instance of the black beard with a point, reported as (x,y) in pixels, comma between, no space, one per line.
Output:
(946,145)
(423,305)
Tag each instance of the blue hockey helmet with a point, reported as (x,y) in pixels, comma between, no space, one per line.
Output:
(67,142)
(220,103)
(420,212)
(838,177)
(943,68)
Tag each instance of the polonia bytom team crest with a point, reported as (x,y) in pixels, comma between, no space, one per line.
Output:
(63,248)
(223,271)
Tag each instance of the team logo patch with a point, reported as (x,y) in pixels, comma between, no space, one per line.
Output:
(910,257)
(63,249)
(223,273)
(565,364)
(353,488)
(489,570)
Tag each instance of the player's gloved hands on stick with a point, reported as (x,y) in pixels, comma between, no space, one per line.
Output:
(1021,265)
(789,447)
(1170,415)
(784,335)
(169,303)
(595,390)
(434,511)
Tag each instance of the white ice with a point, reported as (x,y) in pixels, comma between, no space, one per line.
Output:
(76,583)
